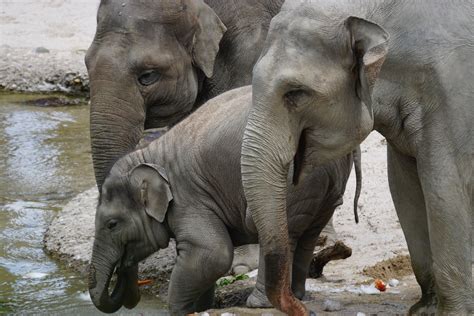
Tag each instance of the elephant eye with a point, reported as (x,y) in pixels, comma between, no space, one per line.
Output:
(111,224)
(148,77)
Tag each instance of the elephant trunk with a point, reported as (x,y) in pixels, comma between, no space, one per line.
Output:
(116,127)
(101,269)
(269,145)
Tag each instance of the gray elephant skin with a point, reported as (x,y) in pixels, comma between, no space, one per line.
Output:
(187,185)
(153,61)
(332,71)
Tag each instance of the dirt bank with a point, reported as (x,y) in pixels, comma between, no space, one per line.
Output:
(43,44)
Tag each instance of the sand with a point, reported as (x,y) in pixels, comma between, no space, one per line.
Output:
(43,44)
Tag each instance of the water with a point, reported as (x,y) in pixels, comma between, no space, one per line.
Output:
(44,162)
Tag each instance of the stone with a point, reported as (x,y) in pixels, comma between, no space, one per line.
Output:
(331,306)
(41,50)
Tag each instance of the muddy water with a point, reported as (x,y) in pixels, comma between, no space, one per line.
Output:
(44,162)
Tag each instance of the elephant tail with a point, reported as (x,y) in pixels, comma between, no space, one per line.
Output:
(356,154)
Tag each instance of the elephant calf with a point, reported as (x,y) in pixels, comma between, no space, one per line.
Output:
(187,185)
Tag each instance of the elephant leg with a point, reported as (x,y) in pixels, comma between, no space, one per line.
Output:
(447,191)
(409,203)
(330,233)
(205,254)
(301,261)
(245,259)
(258,298)
(206,300)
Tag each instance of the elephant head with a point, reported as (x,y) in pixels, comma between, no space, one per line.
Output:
(311,103)
(128,228)
(145,64)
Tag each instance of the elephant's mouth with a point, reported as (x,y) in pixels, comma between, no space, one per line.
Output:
(125,292)
(156,119)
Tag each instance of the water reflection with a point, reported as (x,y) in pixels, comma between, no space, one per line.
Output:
(44,161)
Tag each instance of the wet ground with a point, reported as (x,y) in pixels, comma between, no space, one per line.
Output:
(44,162)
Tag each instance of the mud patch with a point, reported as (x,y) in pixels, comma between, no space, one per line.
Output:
(234,294)
(394,268)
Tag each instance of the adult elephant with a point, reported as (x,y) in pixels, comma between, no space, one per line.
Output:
(316,96)
(153,61)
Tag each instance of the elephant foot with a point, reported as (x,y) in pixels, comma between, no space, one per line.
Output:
(240,269)
(258,300)
(245,259)
(425,306)
(334,252)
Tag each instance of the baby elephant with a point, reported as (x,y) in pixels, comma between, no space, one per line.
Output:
(186,185)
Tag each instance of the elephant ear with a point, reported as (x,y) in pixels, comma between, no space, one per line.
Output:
(369,43)
(207,37)
(154,189)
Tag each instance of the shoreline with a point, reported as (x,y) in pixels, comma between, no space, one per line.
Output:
(43,45)
(27,71)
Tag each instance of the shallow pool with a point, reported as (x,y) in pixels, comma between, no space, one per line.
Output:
(44,161)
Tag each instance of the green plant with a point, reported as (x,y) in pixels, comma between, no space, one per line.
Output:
(231,279)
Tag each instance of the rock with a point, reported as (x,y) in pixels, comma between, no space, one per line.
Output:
(393,282)
(331,306)
(41,50)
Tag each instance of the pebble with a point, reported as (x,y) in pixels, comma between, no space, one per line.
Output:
(84,296)
(360,314)
(41,50)
(393,282)
(331,306)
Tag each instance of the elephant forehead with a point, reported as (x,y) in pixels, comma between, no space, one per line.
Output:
(128,14)
(304,37)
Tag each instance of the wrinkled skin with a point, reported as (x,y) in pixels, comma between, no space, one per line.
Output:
(318,103)
(153,61)
(187,185)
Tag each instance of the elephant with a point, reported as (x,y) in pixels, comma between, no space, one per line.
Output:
(187,185)
(331,72)
(153,61)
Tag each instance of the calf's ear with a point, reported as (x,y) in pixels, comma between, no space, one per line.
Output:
(155,192)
